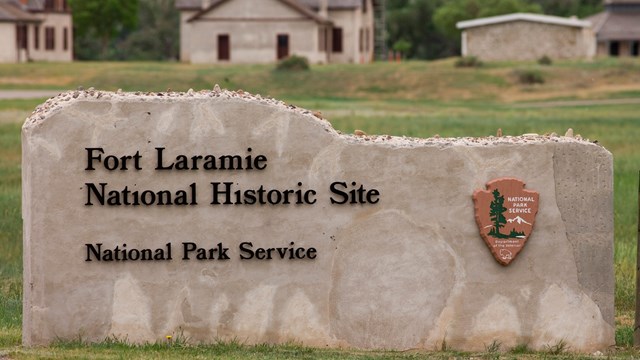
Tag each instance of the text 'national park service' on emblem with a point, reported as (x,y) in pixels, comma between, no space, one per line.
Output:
(505,214)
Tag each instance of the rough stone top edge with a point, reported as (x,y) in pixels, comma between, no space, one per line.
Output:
(64,99)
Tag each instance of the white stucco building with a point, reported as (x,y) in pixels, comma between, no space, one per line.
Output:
(35,30)
(265,31)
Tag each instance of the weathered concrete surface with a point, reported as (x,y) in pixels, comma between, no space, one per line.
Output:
(410,271)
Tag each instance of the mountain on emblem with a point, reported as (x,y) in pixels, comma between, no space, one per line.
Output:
(505,214)
(519,220)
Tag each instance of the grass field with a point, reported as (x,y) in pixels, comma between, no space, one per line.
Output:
(413,99)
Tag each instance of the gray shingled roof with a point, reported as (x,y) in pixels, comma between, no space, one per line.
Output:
(295,4)
(35,5)
(622,2)
(333,4)
(538,18)
(13,11)
(610,25)
(313,4)
(189,4)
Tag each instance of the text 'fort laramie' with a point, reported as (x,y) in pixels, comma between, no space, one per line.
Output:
(216,192)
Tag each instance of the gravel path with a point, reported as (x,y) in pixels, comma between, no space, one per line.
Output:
(28,94)
(549,104)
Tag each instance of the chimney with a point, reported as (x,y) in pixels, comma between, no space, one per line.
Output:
(206,3)
(324,9)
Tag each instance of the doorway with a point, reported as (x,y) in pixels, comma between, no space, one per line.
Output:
(283,46)
(224,47)
(614,48)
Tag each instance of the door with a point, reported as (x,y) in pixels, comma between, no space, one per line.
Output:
(224,47)
(283,46)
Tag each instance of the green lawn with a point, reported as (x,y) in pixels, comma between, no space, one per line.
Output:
(419,99)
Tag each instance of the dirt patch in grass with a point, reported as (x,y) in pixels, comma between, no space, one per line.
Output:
(46,81)
(543,92)
(13,116)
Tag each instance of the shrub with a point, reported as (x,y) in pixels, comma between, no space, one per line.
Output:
(293,63)
(468,61)
(402,46)
(545,60)
(530,77)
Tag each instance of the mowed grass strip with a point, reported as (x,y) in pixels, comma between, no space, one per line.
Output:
(395,99)
(414,80)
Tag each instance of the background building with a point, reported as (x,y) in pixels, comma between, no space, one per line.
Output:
(617,29)
(35,30)
(249,31)
(523,36)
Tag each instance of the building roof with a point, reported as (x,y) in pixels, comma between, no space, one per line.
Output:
(13,11)
(189,4)
(609,25)
(312,4)
(621,2)
(546,19)
(333,4)
(294,4)
(35,5)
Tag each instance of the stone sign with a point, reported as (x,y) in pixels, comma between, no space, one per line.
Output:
(220,215)
(505,214)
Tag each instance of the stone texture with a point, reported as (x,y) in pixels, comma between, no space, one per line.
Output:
(410,271)
(527,41)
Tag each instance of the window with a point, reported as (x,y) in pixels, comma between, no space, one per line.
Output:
(36,37)
(635,48)
(65,39)
(49,5)
(366,40)
(49,38)
(614,48)
(361,40)
(21,37)
(364,6)
(337,40)
(224,47)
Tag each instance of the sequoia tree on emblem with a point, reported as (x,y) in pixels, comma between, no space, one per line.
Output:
(505,214)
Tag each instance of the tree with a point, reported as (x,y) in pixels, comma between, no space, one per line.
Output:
(156,36)
(103,20)
(579,8)
(497,214)
(411,21)
(446,17)
(429,26)
(402,46)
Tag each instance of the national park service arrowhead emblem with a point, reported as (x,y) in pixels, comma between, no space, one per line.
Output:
(505,214)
